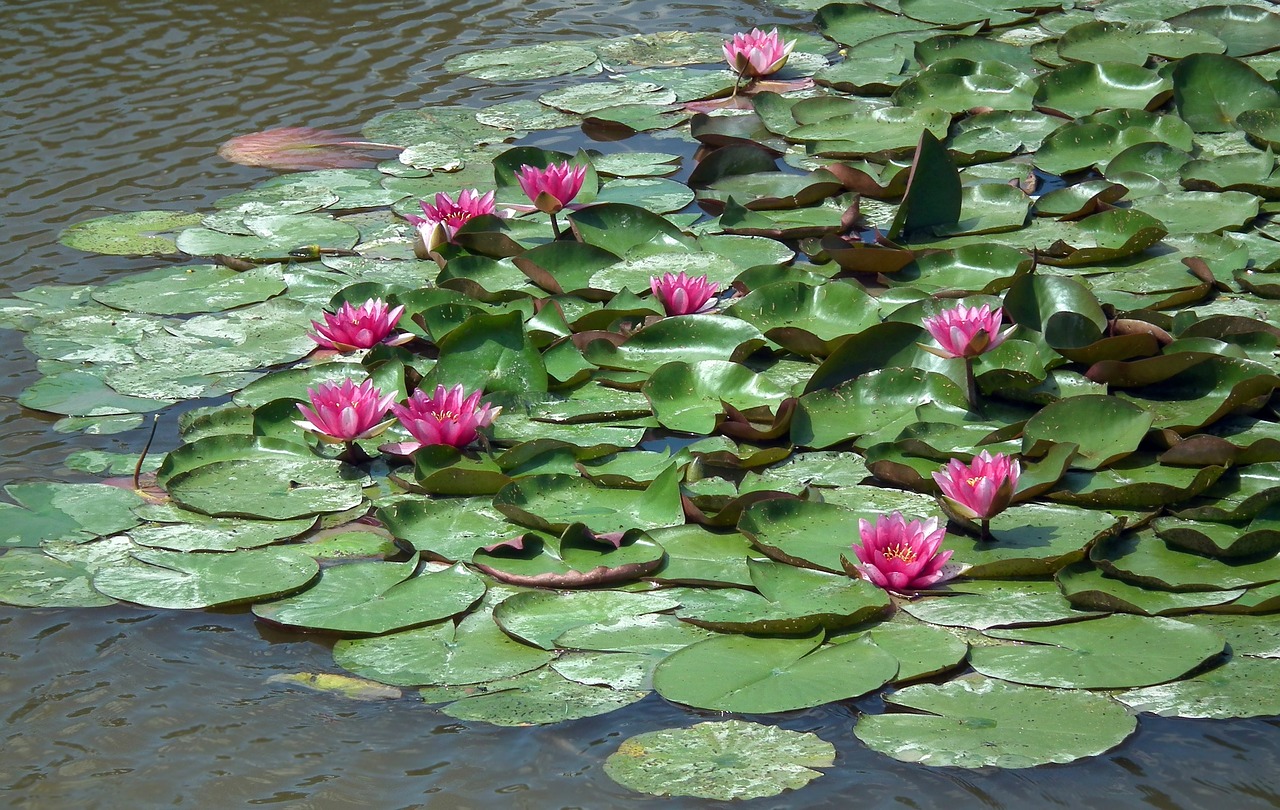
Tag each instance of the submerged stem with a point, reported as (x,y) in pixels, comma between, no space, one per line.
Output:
(137,468)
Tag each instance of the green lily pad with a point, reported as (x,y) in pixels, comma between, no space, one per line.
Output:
(182,581)
(692,396)
(997,603)
(1085,87)
(725,760)
(539,698)
(1134,42)
(1114,428)
(755,675)
(271,488)
(1110,653)
(475,651)
(540,617)
(34,579)
(1089,588)
(376,597)
(270,237)
(188,290)
(1210,90)
(135,233)
(532,61)
(1238,688)
(975,722)
(577,558)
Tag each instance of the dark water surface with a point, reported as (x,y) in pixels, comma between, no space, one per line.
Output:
(108,107)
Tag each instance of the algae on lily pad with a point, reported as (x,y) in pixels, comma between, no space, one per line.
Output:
(725,760)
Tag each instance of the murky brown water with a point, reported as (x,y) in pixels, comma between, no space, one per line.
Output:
(120,106)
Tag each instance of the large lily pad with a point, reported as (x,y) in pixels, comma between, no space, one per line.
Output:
(1110,653)
(975,722)
(180,580)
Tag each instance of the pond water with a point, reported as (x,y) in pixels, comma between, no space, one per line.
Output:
(113,107)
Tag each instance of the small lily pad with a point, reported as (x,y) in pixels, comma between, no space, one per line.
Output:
(724,760)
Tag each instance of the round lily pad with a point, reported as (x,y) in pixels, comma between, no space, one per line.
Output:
(1241,687)
(726,760)
(181,580)
(135,233)
(974,722)
(1109,653)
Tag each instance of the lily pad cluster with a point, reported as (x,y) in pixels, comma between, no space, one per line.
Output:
(667,503)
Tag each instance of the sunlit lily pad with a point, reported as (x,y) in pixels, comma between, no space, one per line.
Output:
(750,761)
(135,233)
(975,722)
(178,580)
(1109,653)
(1237,688)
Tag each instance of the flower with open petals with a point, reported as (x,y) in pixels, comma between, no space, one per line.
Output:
(900,556)
(552,188)
(449,417)
(441,221)
(343,412)
(981,489)
(352,328)
(682,295)
(966,331)
(757,54)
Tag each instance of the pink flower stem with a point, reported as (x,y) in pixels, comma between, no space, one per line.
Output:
(985,535)
(353,453)
(555,227)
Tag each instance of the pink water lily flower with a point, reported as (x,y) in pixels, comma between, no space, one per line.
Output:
(900,556)
(352,328)
(981,489)
(682,295)
(343,411)
(552,188)
(441,221)
(757,53)
(447,417)
(966,331)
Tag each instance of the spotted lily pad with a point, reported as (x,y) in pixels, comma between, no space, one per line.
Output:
(724,760)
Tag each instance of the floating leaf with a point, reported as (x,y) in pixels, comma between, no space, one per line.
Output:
(183,581)
(750,761)
(974,722)
(136,233)
(1109,653)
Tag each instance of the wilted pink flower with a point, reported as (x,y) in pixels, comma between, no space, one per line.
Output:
(352,328)
(981,489)
(343,412)
(966,331)
(552,188)
(682,295)
(442,220)
(900,556)
(757,54)
(449,417)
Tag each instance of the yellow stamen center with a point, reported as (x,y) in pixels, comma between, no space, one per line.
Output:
(973,482)
(900,551)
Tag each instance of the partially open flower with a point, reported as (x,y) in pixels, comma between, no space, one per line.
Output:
(447,417)
(682,295)
(757,53)
(441,221)
(352,328)
(966,331)
(343,412)
(900,556)
(981,489)
(552,188)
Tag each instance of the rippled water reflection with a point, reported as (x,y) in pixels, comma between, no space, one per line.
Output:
(111,107)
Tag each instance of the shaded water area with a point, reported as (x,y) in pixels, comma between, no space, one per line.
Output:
(113,107)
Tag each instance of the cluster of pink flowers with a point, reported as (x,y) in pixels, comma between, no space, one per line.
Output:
(343,412)
(902,556)
(440,221)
